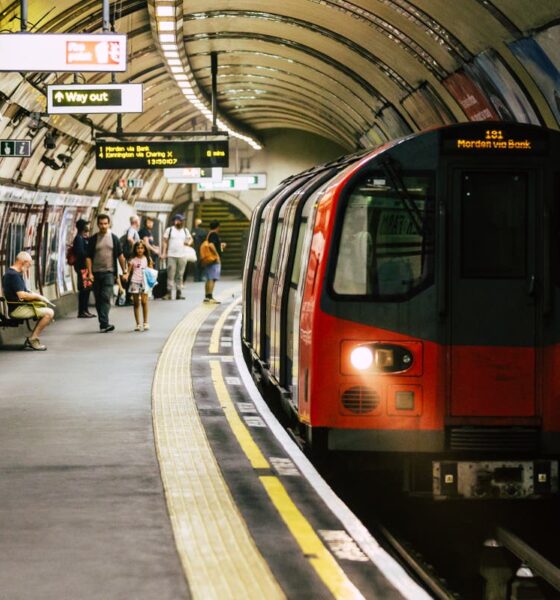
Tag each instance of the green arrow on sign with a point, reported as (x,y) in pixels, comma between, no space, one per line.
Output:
(59,96)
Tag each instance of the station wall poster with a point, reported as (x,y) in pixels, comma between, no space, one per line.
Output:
(471,98)
(426,109)
(540,55)
(504,92)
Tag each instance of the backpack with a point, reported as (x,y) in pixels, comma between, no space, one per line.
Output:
(207,254)
(71,258)
(126,246)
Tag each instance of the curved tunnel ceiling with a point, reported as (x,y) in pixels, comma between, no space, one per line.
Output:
(357,72)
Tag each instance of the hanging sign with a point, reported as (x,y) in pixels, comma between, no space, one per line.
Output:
(66,52)
(98,99)
(15,148)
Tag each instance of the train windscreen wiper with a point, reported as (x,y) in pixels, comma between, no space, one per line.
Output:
(403,194)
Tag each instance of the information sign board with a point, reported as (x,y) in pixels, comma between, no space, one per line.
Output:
(15,148)
(66,52)
(157,155)
(98,99)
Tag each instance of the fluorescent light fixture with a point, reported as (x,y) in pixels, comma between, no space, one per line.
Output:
(170,54)
(180,76)
(177,69)
(169,47)
(174,62)
(166,25)
(165,11)
(166,38)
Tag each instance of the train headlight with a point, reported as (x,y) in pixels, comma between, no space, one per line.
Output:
(375,357)
(361,358)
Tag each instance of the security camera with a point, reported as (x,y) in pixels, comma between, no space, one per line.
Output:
(65,159)
(50,140)
(50,162)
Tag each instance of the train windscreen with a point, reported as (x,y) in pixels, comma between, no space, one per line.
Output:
(386,244)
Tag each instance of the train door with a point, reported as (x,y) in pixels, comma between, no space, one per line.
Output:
(493,311)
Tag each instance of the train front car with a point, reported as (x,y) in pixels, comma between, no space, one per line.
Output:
(430,308)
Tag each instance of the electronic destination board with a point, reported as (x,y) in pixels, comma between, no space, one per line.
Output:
(159,155)
(494,138)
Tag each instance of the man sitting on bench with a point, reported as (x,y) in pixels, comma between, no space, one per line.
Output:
(13,285)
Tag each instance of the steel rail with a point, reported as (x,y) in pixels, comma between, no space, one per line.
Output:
(431,582)
(535,561)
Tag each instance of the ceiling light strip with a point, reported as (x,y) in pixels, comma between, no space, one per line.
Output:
(167,25)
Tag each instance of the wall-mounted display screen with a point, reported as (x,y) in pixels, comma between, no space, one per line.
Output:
(159,155)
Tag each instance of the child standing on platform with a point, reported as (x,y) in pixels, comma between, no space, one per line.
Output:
(137,290)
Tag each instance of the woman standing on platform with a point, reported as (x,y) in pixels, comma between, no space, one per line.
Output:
(79,247)
(136,266)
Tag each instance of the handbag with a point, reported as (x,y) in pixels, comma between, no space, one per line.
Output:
(190,254)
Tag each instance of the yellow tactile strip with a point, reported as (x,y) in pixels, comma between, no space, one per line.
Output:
(218,554)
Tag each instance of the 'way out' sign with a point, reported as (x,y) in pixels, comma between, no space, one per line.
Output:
(66,52)
(109,98)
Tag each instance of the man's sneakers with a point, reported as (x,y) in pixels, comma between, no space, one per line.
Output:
(107,329)
(179,296)
(211,301)
(33,344)
(167,296)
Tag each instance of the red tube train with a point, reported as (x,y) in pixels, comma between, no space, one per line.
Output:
(405,302)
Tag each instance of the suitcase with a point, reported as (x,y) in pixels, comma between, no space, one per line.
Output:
(160,289)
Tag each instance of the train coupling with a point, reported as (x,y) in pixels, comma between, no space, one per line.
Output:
(494,479)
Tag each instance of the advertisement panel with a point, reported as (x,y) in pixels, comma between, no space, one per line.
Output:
(506,95)
(541,57)
(65,52)
(471,98)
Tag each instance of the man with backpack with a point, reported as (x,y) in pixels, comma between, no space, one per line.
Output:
(175,241)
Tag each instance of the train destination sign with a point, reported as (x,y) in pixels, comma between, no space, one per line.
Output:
(15,148)
(486,140)
(98,99)
(66,52)
(158,155)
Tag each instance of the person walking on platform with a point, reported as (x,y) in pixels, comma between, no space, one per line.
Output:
(175,241)
(104,251)
(213,268)
(15,290)
(199,235)
(79,247)
(136,266)
(147,236)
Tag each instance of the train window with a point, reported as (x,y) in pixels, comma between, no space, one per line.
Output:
(259,248)
(296,270)
(386,246)
(493,225)
(276,248)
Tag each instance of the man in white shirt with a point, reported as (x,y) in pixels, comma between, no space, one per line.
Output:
(175,242)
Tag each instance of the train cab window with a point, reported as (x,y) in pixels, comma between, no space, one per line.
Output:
(493,225)
(386,245)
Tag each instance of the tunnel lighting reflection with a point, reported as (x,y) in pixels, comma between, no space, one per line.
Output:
(166,25)
(165,11)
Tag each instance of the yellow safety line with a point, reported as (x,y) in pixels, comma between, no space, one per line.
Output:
(218,554)
(255,456)
(214,347)
(311,545)
(322,560)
